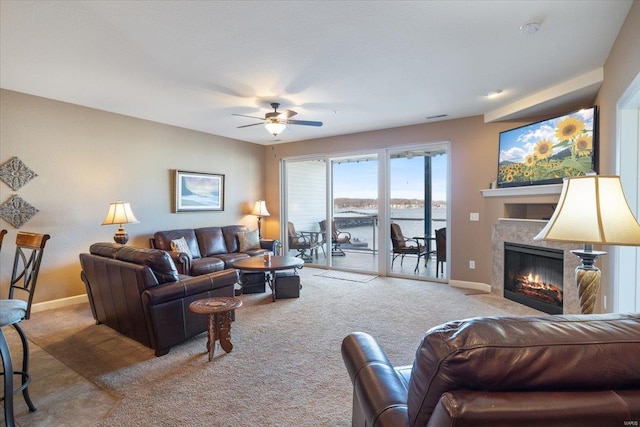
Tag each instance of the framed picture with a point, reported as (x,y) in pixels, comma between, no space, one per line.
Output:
(197,191)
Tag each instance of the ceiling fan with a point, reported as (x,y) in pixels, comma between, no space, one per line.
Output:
(277,121)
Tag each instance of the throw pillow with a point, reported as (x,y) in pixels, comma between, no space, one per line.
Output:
(248,240)
(180,245)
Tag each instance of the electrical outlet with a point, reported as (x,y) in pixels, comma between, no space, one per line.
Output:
(474,216)
(472,265)
(604,301)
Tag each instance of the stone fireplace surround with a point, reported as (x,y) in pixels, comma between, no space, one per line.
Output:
(522,231)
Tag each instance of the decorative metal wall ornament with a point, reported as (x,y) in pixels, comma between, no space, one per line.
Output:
(16,211)
(15,173)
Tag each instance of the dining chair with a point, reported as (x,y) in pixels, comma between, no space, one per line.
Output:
(26,266)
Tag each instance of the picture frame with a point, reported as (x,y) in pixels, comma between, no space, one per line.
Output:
(198,191)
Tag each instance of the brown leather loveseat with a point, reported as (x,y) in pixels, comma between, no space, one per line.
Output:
(580,370)
(139,293)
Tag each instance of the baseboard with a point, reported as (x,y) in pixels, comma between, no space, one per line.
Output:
(58,303)
(477,286)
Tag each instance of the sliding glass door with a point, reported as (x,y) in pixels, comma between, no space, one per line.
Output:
(354,212)
(305,195)
(334,217)
(417,212)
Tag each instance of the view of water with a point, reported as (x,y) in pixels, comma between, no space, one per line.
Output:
(411,222)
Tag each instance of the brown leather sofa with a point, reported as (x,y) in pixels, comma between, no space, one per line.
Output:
(558,371)
(212,248)
(139,293)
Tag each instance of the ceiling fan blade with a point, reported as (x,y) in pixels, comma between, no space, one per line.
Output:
(304,123)
(284,115)
(251,117)
(254,124)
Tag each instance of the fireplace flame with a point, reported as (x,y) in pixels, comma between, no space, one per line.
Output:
(531,279)
(531,285)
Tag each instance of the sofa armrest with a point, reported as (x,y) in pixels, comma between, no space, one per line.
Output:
(270,244)
(182,262)
(189,286)
(379,392)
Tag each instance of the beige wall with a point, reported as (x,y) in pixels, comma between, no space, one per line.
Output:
(86,158)
(621,68)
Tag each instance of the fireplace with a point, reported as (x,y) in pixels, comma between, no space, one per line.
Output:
(533,276)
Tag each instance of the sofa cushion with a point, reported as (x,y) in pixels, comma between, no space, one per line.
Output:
(248,240)
(229,259)
(180,245)
(211,241)
(157,260)
(162,240)
(206,265)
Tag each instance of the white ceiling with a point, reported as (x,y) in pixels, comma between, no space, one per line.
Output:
(354,65)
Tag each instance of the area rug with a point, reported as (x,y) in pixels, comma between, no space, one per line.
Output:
(343,275)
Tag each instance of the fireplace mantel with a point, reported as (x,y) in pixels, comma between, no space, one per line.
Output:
(529,190)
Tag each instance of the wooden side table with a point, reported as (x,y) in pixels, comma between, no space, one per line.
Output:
(218,310)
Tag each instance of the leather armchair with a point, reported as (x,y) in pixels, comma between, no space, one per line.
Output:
(560,371)
(139,293)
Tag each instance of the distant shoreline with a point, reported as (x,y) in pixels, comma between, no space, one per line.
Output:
(353,203)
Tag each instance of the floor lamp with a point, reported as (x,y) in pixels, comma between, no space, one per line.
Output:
(260,210)
(592,210)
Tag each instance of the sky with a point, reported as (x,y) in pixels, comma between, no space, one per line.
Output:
(359,179)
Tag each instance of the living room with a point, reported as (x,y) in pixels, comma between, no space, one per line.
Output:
(86,158)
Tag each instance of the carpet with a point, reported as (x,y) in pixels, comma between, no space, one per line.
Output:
(343,275)
(285,369)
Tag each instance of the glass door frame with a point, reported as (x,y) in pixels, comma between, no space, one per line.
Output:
(385,261)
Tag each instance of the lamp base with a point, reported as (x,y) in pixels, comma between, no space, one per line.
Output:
(588,279)
(121,236)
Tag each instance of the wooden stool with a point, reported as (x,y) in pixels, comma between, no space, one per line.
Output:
(218,309)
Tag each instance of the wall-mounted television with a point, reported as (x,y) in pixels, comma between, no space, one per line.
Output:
(545,152)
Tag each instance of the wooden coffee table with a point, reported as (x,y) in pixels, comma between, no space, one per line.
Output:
(277,263)
(218,310)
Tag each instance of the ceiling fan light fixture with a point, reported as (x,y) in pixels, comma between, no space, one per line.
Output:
(275,127)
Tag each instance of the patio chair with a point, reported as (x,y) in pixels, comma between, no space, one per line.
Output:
(404,246)
(337,237)
(301,242)
(441,249)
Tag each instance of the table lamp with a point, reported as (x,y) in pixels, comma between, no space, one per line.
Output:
(120,213)
(260,210)
(592,210)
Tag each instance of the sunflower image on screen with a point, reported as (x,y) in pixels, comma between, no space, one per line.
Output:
(547,151)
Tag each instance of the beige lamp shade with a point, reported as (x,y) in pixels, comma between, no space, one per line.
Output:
(592,210)
(260,209)
(120,213)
